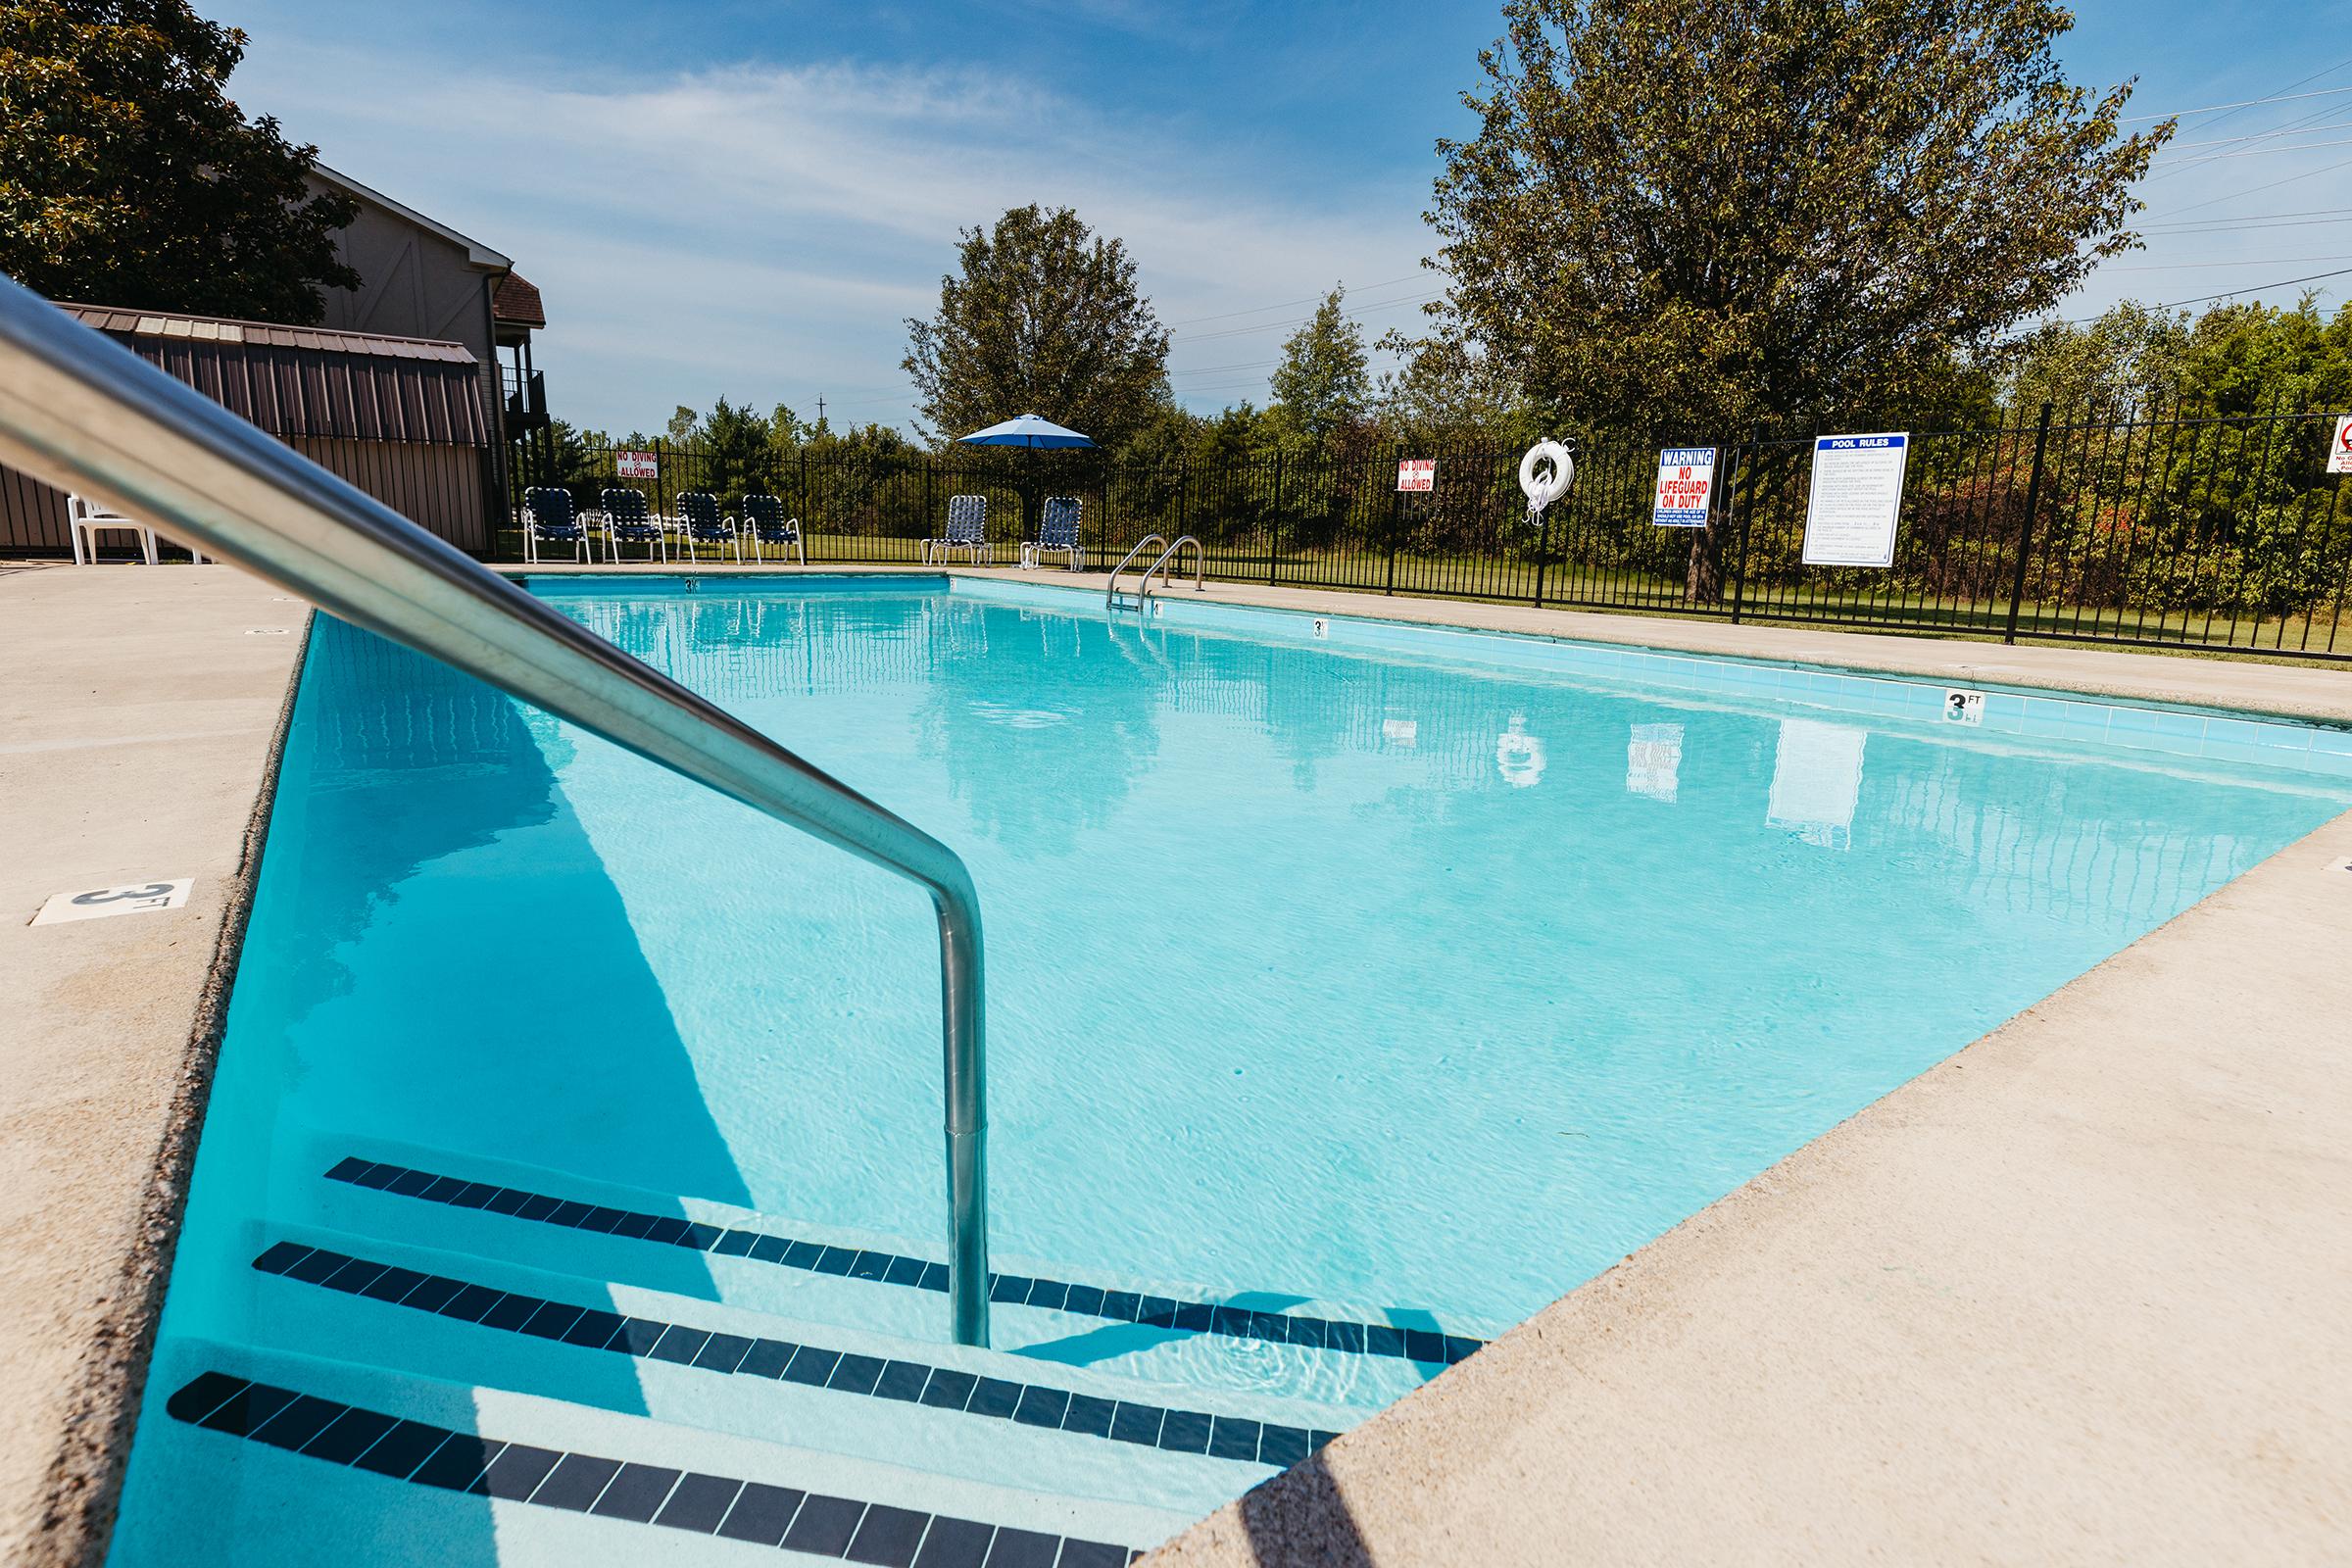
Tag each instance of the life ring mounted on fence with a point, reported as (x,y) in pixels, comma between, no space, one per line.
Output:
(1544,488)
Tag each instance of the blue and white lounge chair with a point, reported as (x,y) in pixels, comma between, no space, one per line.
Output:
(763,518)
(1057,533)
(628,522)
(548,518)
(967,530)
(697,512)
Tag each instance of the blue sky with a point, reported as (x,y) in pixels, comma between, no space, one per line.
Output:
(748,199)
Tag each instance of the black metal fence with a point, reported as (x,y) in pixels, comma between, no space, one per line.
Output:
(2224,533)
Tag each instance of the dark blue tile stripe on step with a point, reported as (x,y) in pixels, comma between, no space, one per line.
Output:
(1428,1347)
(867,1376)
(611,1488)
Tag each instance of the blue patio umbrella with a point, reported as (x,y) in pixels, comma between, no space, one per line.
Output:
(1026,430)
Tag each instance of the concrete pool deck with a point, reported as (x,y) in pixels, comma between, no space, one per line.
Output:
(2077,1293)
(138,729)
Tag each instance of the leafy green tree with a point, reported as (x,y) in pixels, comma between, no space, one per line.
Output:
(129,177)
(684,425)
(738,452)
(2128,359)
(1043,317)
(1708,213)
(1447,391)
(1323,383)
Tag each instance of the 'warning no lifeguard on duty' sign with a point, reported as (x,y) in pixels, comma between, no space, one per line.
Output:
(1686,486)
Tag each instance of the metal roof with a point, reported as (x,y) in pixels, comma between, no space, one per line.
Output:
(303,380)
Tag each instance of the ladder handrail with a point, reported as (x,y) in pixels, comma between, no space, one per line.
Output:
(1110,592)
(1168,576)
(87,416)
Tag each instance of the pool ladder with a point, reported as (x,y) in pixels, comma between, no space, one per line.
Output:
(1113,600)
(89,417)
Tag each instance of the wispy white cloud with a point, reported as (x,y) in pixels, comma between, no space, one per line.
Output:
(762,231)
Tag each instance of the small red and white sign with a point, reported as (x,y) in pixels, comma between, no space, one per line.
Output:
(635,465)
(1685,487)
(1417,474)
(2339,451)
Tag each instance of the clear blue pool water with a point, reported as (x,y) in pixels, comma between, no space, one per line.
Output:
(1365,979)
(1386,978)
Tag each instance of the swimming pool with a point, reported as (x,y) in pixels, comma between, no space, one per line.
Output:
(1355,990)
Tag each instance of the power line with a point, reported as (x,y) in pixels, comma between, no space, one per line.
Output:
(2235,110)
(2240,195)
(2255,289)
(2305,123)
(2257,152)
(2185,267)
(2250,103)
(2252,135)
(2318,215)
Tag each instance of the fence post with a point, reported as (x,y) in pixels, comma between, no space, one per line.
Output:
(1395,524)
(2025,533)
(1542,539)
(1274,521)
(1744,460)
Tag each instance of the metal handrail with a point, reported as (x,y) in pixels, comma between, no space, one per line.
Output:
(1110,593)
(1168,576)
(88,416)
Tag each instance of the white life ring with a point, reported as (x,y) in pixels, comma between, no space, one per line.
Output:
(1542,489)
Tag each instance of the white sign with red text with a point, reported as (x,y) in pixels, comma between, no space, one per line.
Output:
(2339,451)
(635,465)
(1416,475)
(1685,487)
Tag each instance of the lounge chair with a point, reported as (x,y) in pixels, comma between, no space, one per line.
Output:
(967,530)
(763,518)
(548,518)
(627,522)
(86,519)
(697,511)
(1057,533)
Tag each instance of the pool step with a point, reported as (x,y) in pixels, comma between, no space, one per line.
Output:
(261,1456)
(1319,1351)
(709,1366)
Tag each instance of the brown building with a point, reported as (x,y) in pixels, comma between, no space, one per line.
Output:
(403,419)
(422,278)
(398,390)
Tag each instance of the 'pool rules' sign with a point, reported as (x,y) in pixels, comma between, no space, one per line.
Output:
(1686,485)
(1857,494)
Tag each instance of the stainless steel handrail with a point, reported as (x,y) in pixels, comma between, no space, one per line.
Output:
(88,416)
(1168,576)
(1110,593)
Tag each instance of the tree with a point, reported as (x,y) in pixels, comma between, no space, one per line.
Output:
(1701,213)
(738,452)
(1322,382)
(129,177)
(1041,318)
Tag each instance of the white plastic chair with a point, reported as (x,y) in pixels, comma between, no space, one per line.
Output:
(85,521)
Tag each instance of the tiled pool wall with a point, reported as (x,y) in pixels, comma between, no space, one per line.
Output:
(2138,726)
(2321,750)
